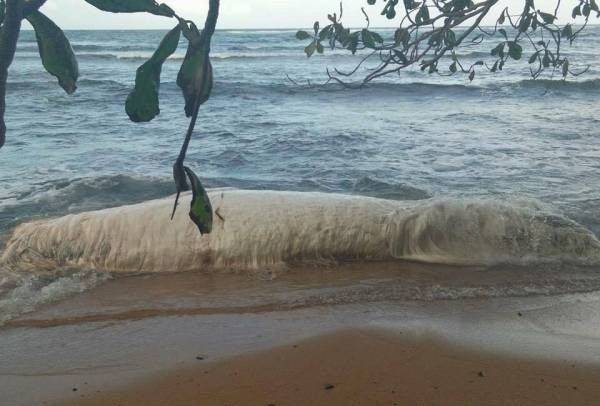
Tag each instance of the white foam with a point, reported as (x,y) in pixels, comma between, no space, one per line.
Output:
(264,228)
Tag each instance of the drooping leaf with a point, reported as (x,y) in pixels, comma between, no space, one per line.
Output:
(320,48)
(2,10)
(326,32)
(401,36)
(195,77)
(132,6)
(450,38)
(55,50)
(533,57)
(302,35)
(498,50)
(515,51)
(310,49)
(567,31)
(201,211)
(494,67)
(398,54)
(369,38)
(142,103)
(565,68)
(585,10)
(422,16)
(547,17)
(501,19)
(353,42)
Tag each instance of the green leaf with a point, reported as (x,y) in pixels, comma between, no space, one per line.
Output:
(353,42)
(302,35)
(576,12)
(548,18)
(201,211)
(515,51)
(401,36)
(132,6)
(310,49)
(195,77)
(320,48)
(326,32)
(400,56)
(471,76)
(376,37)
(391,13)
(142,103)
(546,60)
(453,67)
(501,19)
(567,31)
(585,10)
(450,38)
(498,50)
(367,38)
(565,68)
(422,16)
(494,67)
(55,50)
(533,57)
(2,10)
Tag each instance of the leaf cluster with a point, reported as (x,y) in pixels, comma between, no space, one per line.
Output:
(430,32)
(195,76)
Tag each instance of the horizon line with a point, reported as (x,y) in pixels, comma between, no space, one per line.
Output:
(240,29)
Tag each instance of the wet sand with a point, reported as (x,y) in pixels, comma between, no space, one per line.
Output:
(362,367)
(231,340)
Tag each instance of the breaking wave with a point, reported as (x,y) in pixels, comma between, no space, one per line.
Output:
(267,228)
(266,232)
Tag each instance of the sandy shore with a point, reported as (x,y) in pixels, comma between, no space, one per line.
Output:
(362,367)
(136,341)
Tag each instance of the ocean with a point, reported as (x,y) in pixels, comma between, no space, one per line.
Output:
(530,147)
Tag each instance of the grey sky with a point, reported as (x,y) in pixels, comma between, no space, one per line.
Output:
(77,14)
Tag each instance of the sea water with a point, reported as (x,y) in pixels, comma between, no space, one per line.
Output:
(520,156)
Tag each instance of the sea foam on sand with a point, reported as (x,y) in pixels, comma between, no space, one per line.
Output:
(265,228)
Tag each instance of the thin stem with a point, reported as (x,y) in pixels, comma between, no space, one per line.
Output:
(178,168)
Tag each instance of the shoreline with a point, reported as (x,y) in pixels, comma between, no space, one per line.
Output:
(136,340)
(360,367)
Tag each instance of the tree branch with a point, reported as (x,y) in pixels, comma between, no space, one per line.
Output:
(9,34)
(207,32)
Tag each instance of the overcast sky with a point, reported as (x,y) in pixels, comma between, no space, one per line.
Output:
(77,14)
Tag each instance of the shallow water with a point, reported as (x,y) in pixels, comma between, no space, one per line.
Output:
(406,138)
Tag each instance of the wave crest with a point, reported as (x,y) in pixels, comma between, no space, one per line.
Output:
(268,228)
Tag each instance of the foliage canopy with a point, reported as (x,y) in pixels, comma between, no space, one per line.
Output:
(429,33)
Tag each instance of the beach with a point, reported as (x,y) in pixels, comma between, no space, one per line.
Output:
(424,240)
(362,367)
(521,350)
